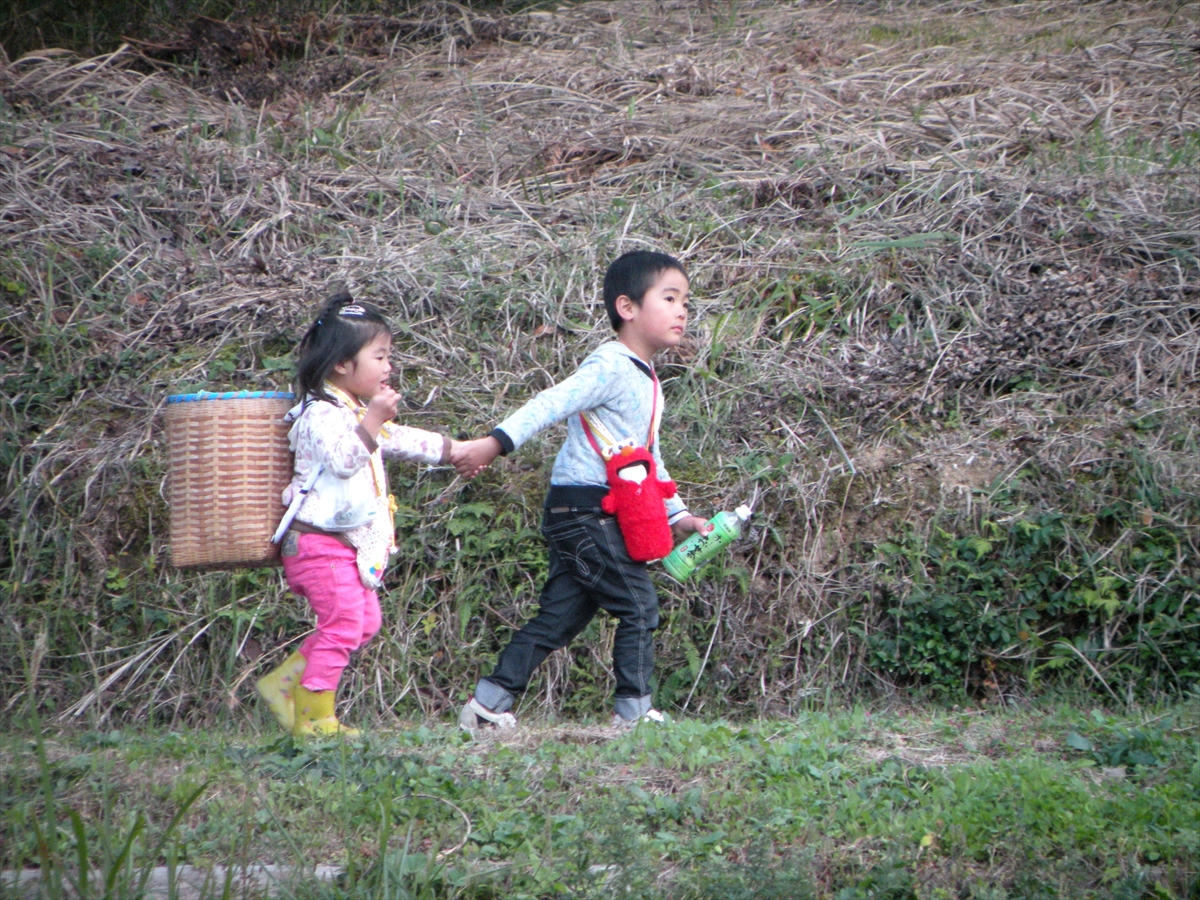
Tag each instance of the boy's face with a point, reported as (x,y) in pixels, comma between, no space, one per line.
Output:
(658,322)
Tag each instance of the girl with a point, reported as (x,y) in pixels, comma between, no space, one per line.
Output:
(338,545)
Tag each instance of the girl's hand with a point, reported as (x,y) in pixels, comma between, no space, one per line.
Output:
(689,524)
(472,457)
(381,409)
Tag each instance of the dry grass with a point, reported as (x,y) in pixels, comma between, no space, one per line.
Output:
(931,244)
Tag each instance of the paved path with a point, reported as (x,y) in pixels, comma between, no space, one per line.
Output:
(190,883)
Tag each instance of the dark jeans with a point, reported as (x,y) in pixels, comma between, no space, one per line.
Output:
(590,570)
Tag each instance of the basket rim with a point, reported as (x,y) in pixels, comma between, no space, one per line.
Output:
(231,395)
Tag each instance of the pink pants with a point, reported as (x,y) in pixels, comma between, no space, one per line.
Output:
(325,573)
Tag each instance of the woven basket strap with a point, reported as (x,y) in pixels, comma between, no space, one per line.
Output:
(294,507)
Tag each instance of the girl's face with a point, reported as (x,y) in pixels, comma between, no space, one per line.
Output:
(366,372)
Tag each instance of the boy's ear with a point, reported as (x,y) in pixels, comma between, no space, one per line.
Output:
(626,308)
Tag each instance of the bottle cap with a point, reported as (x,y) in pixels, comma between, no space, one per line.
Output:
(742,512)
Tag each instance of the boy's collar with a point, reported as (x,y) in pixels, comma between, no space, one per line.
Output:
(646,367)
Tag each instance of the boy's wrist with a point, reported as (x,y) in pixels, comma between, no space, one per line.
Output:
(494,446)
(504,443)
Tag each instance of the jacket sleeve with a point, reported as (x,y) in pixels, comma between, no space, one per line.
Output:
(414,444)
(589,386)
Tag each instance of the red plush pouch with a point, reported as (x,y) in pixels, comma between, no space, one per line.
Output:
(635,495)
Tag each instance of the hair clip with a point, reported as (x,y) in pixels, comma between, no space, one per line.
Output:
(352,310)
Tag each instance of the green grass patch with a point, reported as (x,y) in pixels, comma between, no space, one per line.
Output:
(932,32)
(861,803)
(1133,153)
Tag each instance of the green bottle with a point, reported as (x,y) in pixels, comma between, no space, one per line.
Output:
(700,548)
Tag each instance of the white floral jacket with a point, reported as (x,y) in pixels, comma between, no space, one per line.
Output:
(328,434)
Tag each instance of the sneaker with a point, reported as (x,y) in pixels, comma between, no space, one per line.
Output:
(652,716)
(475,715)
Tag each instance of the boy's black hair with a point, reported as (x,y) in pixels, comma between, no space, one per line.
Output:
(342,329)
(632,274)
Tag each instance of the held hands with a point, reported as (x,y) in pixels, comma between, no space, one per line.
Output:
(689,524)
(472,457)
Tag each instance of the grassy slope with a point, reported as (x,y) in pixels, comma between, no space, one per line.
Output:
(1045,802)
(945,262)
(945,337)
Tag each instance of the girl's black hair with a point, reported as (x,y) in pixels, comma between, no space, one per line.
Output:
(342,329)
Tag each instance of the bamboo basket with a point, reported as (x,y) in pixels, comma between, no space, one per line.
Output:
(228,464)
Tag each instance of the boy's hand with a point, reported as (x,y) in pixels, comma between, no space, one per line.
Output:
(472,457)
(380,409)
(689,524)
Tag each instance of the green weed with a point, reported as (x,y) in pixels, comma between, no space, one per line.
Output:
(856,804)
(1027,599)
(109,855)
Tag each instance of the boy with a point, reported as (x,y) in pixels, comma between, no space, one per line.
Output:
(646,298)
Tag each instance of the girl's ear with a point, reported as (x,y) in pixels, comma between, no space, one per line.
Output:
(626,308)
(343,367)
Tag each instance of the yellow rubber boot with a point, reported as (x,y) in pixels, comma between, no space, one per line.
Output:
(314,715)
(278,686)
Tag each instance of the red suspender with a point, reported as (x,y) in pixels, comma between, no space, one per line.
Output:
(587,429)
(591,437)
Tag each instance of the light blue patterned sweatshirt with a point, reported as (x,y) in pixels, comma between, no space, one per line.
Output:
(615,387)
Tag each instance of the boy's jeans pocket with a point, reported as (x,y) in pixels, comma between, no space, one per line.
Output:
(576,549)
